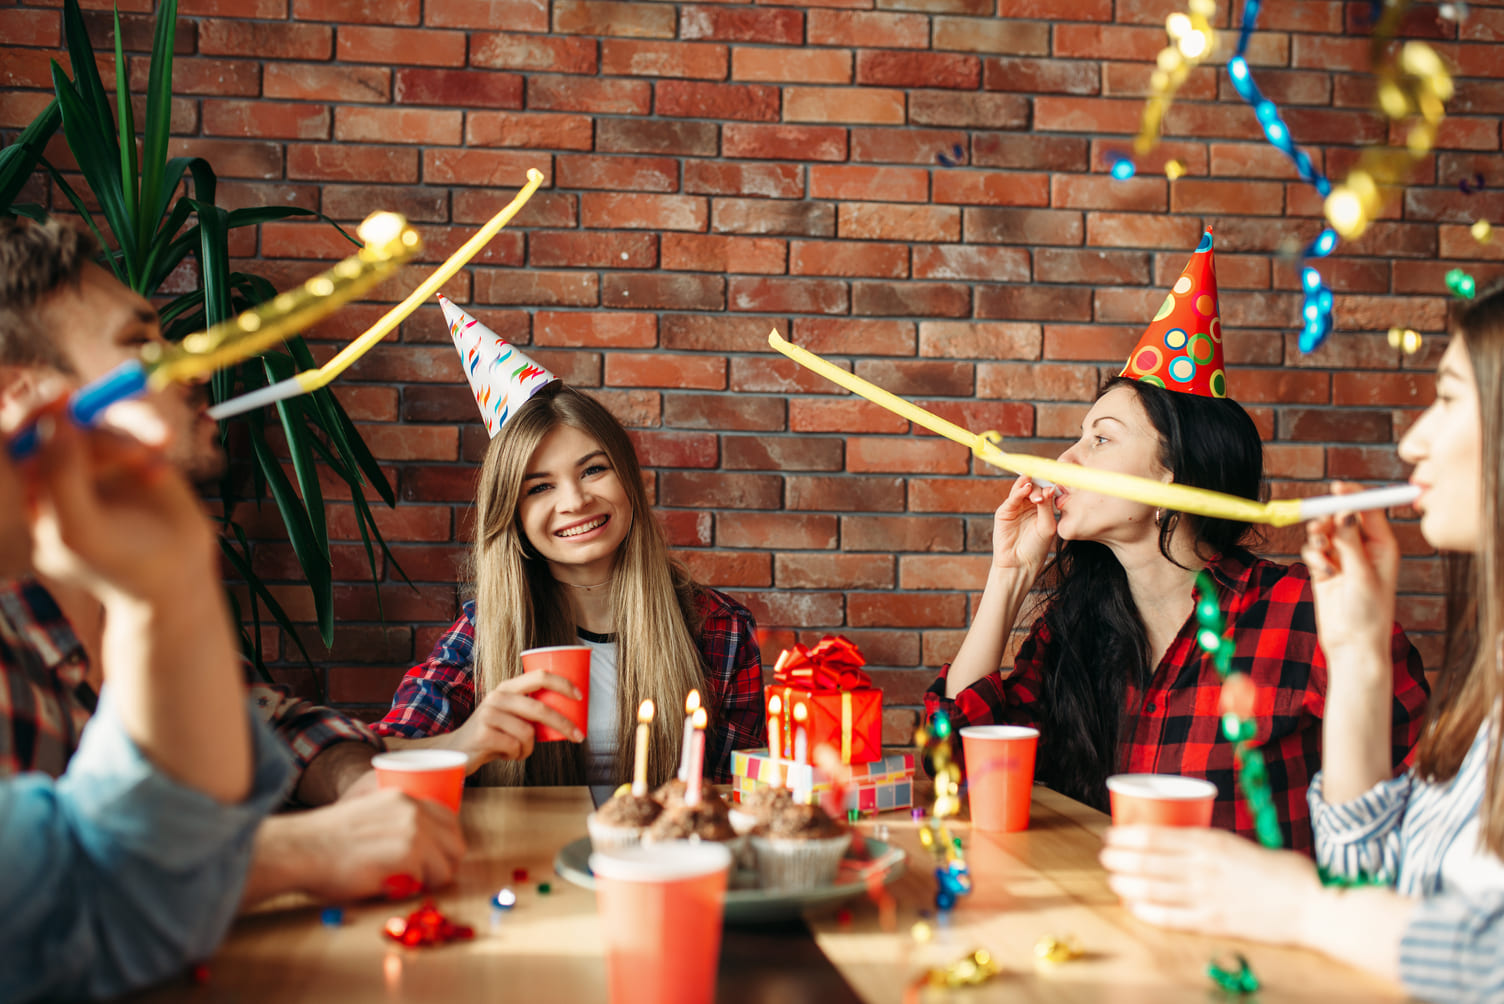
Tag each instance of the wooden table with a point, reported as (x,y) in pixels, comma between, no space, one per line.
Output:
(547,949)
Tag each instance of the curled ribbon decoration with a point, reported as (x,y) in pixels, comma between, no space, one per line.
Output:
(832,664)
(1192,39)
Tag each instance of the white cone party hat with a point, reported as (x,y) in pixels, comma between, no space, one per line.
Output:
(500,376)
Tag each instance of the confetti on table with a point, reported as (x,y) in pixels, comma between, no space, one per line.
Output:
(544,888)
(952,877)
(1053,950)
(843,917)
(970,970)
(332,916)
(504,900)
(199,974)
(1235,981)
(519,874)
(426,927)
(922,931)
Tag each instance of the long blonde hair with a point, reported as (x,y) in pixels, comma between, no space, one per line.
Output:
(1469,686)
(520,606)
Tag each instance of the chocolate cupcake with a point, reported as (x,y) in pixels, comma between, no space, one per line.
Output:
(621,821)
(670,793)
(757,808)
(705,821)
(800,847)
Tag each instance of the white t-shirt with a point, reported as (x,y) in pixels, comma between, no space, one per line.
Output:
(601,739)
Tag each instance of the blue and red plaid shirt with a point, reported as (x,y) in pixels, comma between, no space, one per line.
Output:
(1177,727)
(438,695)
(45,697)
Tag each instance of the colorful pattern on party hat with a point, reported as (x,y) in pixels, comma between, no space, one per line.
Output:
(500,376)
(1182,347)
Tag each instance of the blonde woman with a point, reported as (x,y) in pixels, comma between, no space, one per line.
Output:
(1433,838)
(567,552)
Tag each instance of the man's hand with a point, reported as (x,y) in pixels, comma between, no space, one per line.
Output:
(346,850)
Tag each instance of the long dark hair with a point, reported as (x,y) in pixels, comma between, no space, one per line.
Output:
(1099,644)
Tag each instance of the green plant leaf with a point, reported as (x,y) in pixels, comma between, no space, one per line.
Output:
(213,260)
(20,159)
(258,589)
(156,189)
(315,564)
(113,260)
(130,175)
(85,64)
(294,416)
(92,144)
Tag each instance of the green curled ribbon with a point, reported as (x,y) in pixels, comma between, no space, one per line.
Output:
(1239,981)
(1461,284)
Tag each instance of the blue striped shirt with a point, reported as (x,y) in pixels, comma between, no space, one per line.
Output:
(1407,831)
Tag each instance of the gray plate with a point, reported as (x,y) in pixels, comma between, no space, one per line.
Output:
(751,905)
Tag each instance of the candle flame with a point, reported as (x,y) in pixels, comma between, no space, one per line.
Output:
(775,705)
(701,719)
(692,702)
(645,712)
(800,712)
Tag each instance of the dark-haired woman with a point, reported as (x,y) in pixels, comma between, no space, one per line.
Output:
(1110,672)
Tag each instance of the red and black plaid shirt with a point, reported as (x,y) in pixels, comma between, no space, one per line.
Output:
(438,695)
(1177,727)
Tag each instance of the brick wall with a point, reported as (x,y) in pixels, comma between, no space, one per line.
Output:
(716,170)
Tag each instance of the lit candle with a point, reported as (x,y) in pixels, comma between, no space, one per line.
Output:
(696,778)
(775,747)
(640,767)
(801,750)
(691,705)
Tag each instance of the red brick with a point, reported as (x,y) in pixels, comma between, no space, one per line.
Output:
(1022,226)
(633,408)
(613,329)
(652,290)
(1377,463)
(844,493)
(910,299)
(869,221)
(918,69)
(865,28)
(217,8)
(956,495)
(759,216)
(759,141)
(682,528)
(541,53)
(539,288)
(580,249)
(717,177)
(833,571)
(529,130)
(624,57)
(693,139)
(648,369)
(268,119)
(969,261)
(802,296)
(906,146)
(1190,196)
(493,168)
(792,531)
(719,490)
(724,412)
(607,210)
(265,39)
(1036,381)
(1412,390)
(433,127)
(745,102)
(203,76)
(895,184)
(576,94)
(659,448)
(353,202)
(925,571)
(715,253)
(233,158)
(630,174)
(316,82)
(853,336)
(795,66)
(1103,192)
(458,88)
(1089,115)
(967,34)
(1343,425)
(796,608)
(975,110)
(602,17)
(1097,267)
(348,162)
(31,28)
(848,258)
(906,456)
(906,610)
(729,568)
(1057,10)
(845,416)
(914,377)
(512,15)
(1043,303)
(843,104)
(896,534)
(776,27)
(411,46)
(979,340)
(352,11)
(19,109)
(782,453)
(1010,150)
(1042,76)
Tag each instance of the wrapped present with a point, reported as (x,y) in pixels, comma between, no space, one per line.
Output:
(875,786)
(821,696)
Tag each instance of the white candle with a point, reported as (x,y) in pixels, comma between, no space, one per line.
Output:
(691,705)
(696,780)
(775,747)
(801,734)
(640,766)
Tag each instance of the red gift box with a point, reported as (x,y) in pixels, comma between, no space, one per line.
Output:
(824,693)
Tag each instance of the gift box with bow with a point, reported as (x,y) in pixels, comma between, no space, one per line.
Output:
(880,785)
(821,696)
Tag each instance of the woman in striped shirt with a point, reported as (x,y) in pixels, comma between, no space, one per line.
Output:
(1426,849)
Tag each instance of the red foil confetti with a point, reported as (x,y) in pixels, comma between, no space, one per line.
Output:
(426,927)
(519,874)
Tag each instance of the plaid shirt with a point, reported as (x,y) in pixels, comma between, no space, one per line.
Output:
(1176,727)
(437,696)
(45,699)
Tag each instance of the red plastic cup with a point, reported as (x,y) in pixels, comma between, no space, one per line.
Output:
(999,775)
(435,775)
(660,908)
(1160,800)
(573,663)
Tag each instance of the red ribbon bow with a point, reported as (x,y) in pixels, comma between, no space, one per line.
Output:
(833,664)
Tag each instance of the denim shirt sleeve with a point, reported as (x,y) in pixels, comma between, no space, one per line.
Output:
(115,875)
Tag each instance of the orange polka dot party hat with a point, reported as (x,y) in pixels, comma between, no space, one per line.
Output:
(1181,349)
